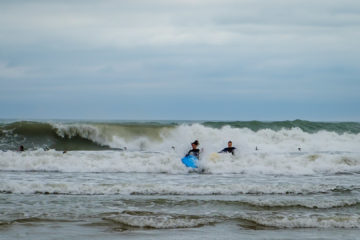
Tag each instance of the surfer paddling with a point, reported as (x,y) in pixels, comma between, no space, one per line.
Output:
(229,149)
(194,151)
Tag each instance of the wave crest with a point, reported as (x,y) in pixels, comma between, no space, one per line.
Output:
(138,219)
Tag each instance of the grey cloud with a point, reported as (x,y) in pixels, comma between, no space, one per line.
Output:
(155,51)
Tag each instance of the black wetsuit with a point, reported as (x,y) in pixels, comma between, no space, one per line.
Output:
(194,152)
(228,150)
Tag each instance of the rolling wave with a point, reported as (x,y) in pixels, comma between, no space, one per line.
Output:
(306,126)
(343,163)
(153,189)
(154,136)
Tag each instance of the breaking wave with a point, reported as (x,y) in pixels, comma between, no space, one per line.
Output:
(272,148)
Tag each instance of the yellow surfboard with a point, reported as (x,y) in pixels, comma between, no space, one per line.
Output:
(214,157)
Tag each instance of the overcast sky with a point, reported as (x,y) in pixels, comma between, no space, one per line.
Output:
(180,59)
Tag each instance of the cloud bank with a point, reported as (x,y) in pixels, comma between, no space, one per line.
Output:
(229,60)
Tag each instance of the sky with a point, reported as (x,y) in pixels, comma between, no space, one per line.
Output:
(180,59)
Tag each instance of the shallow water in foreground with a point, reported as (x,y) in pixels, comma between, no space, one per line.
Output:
(57,205)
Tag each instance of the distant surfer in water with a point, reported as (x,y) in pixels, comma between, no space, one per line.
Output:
(21,148)
(229,149)
(194,151)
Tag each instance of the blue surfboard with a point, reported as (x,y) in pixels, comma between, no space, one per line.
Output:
(190,161)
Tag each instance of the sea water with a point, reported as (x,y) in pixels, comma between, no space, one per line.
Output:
(125,180)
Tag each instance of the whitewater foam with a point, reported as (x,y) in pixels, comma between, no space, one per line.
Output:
(169,162)
(307,221)
(154,188)
(158,220)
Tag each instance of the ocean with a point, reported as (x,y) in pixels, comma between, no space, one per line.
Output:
(125,180)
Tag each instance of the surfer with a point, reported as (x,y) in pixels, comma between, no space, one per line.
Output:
(229,149)
(194,151)
(21,148)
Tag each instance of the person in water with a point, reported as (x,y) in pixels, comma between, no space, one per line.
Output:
(194,151)
(229,149)
(21,148)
